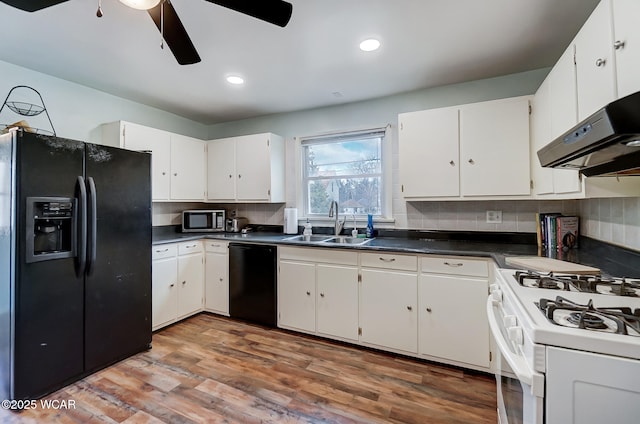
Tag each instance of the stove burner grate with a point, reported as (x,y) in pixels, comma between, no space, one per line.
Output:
(596,284)
(622,319)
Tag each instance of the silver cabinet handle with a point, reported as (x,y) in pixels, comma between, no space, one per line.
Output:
(387,260)
(600,62)
(456,265)
(409,308)
(162,251)
(429,310)
(619,44)
(191,247)
(214,245)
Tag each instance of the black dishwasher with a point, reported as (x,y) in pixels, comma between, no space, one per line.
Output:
(252,283)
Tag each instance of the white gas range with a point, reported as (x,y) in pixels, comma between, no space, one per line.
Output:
(569,348)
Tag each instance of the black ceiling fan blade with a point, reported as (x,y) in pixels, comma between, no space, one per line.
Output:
(174,34)
(32,5)
(276,12)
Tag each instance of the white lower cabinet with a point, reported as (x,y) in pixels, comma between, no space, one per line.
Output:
(432,307)
(216,287)
(318,292)
(452,296)
(177,282)
(337,294)
(388,309)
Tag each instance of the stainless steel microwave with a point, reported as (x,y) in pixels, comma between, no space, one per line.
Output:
(197,221)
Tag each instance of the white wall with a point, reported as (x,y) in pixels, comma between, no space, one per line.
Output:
(76,111)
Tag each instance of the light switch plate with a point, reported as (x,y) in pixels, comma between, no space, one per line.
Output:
(494,217)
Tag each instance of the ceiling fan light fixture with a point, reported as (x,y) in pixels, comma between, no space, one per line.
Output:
(141,4)
(370,45)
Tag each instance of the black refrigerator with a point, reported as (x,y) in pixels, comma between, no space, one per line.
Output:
(75,260)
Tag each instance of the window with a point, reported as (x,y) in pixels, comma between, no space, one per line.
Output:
(347,168)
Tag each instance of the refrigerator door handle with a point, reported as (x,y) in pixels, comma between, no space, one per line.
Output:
(92,220)
(82,221)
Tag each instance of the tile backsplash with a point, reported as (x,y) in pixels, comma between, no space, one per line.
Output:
(615,220)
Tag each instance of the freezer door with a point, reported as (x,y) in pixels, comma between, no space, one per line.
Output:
(48,314)
(118,281)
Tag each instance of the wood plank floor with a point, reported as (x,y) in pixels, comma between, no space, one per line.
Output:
(209,369)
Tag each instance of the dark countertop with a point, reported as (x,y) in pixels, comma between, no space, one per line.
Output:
(612,260)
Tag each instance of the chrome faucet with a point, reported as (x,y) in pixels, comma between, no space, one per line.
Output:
(337,225)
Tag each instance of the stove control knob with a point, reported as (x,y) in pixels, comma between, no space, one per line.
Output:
(515,335)
(496,296)
(510,321)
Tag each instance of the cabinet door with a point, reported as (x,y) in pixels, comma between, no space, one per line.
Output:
(462,336)
(190,284)
(221,169)
(217,283)
(187,168)
(563,101)
(253,168)
(141,138)
(428,147)
(297,296)
(540,137)
(164,291)
(388,309)
(627,45)
(337,301)
(494,148)
(594,60)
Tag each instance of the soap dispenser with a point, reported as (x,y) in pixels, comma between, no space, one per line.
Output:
(369,231)
(307,229)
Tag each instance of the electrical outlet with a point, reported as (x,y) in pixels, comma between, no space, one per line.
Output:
(494,217)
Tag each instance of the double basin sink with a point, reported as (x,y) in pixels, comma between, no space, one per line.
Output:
(316,238)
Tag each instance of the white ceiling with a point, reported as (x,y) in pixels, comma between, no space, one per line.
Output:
(425,43)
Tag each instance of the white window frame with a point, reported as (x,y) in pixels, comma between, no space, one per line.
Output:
(386,171)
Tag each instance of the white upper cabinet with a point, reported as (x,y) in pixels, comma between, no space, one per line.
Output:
(595,61)
(554,111)
(187,168)
(494,148)
(627,45)
(429,153)
(466,151)
(246,169)
(177,162)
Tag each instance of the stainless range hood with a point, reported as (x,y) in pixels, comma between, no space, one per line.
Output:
(606,143)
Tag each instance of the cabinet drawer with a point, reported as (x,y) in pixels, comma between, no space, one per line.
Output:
(389,261)
(454,265)
(332,256)
(216,246)
(164,251)
(188,247)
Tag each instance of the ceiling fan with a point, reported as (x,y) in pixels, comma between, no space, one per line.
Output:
(276,12)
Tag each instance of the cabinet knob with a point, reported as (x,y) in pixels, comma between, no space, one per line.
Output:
(619,44)
(175,174)
(164,173)
(184,282)
(409,308)
(471,161)
(429,310)
(600,62)
(308,293)
(171,285)
(452,163)
(221,279)
(239,176)
(230,176)
(321,294)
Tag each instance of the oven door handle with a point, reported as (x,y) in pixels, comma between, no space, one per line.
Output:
(517,362)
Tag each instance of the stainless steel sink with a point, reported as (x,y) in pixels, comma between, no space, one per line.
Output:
(348,240)
(310,239)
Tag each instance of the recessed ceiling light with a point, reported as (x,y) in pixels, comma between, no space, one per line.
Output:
(235,80)
(369,45)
